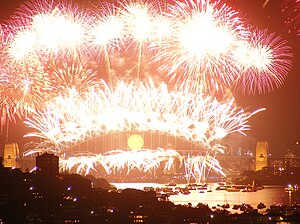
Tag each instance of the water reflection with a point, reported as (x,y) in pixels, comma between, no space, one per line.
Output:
(270,195)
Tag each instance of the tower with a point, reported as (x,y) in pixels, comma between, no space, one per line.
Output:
(261,158)
(11,153)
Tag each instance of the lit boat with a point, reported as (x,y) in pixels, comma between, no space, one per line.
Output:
(171,185)
(232,189)
(221,188)
(249,189)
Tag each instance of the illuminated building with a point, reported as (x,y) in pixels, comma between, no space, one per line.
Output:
(11,153)
(261,159)
(138,217)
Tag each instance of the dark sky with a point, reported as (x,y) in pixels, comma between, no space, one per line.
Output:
(280,123)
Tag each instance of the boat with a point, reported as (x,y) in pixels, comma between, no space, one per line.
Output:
(260,205)
(250,189)
(149,189)
(221,188)
(246,207)
(235,207)
(232,189)
(291,188)
(260,187)
(191,188)
(167,189)
(171,185)
(185,191)
(225,205)
(202,187)
(195,185)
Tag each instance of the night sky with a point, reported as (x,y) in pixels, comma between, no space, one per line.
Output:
(280,123)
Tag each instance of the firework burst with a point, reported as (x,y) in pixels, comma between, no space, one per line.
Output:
(107,30)
(50,74)
(264,62)
(55,28)
(198,51)
(69,119)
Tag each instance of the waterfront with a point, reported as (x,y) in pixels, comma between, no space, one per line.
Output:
(270,195)
(70,198)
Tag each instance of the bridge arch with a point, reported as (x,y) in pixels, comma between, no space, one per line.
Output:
(119,140)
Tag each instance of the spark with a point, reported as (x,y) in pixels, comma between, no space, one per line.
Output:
(71,118)
(265,3)
(197,167)
(23,44)
(107,31)
(144,160)
(138,18)
(265,61)
(51,77)
(291,16)
(57,31)
(55,27)
(204,34)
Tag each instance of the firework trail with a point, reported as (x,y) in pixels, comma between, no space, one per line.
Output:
(134,105)
(106,33)
(140,27)
(74,118)
(197,167)
(115,161)
(53,54)
(291,14)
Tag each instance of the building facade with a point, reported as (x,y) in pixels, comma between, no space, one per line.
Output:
(10,155)
(261,157)
(47,164)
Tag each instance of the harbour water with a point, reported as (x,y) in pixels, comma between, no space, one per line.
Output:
(270,195)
